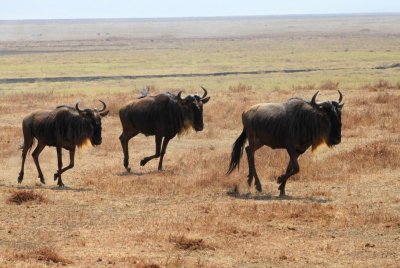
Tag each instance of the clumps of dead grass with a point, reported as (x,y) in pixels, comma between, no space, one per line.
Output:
(359,215)
(381,84)
(137,262)
(186,243)
(372,156)
(237,231)
(23,196)
(240,88)
(44,254)
(324,85)
(329,85)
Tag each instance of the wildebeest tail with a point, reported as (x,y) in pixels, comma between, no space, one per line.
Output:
(237,151)
(28,135)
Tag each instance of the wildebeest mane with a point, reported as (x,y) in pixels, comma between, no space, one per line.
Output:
(63,123)
(173,118)
(301,122)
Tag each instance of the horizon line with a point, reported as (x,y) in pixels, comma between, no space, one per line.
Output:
(213,17)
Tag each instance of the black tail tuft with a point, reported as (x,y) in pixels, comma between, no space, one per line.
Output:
(237,151)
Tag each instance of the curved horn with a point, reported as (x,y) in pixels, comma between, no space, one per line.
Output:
(179,96)
(104,106)
(313,99)
(77,107)
(340,96)
(205,93)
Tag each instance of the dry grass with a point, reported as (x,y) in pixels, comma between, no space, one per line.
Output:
(185,243)
(45,254)
(149,218)
(22,196)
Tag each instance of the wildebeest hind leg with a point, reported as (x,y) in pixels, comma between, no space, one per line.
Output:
(250,175)
(163,149)
(156,155)
(25,148)
(292,169)
(250,150)
(39,148)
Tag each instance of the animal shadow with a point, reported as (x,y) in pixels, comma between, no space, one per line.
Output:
(268,197)
(38,186)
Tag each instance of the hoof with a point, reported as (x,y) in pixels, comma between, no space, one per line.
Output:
(143,162)
(61,185)
(20,177)
(259,188)
(128,169)
(282,196)
(249,181)
(55,176)
(42,180)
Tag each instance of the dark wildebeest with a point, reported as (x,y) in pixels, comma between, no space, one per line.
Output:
(164,116)
(294,125)
(64,127)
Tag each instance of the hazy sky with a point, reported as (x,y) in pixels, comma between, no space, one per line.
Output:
(67,9)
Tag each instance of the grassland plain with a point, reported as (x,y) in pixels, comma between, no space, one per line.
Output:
(344,206)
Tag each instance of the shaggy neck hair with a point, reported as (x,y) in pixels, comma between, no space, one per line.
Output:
(66,124)
(301,122)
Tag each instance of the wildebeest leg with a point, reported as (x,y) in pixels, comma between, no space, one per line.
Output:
(157,154)
(250,150)
(25,148)
(62,170)
(59,160)
(163,150)
(124,138)
(39,148)
(292,169)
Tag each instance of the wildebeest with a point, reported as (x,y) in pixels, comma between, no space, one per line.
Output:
(64,127)
(294,125)
(163,116)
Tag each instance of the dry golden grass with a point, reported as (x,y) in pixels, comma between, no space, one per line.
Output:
(185,243)
(192,214)
(45,254)
(23,196)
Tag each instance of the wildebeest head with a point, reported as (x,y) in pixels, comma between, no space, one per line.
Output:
(92,118)
(192,106)
(333,112)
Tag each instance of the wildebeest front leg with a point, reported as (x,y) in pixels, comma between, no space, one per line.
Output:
(39,148)
(156,155)
(59,162)
(62,170)
(292,169)
(124,138)
(163,150)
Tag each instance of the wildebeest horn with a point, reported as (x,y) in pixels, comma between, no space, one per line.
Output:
(313,99)
(179,96)
(205,93)
(104,106)
(340,96)
(77,107)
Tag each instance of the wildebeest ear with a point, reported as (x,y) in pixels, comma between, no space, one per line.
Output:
(104,113)
(205,100)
